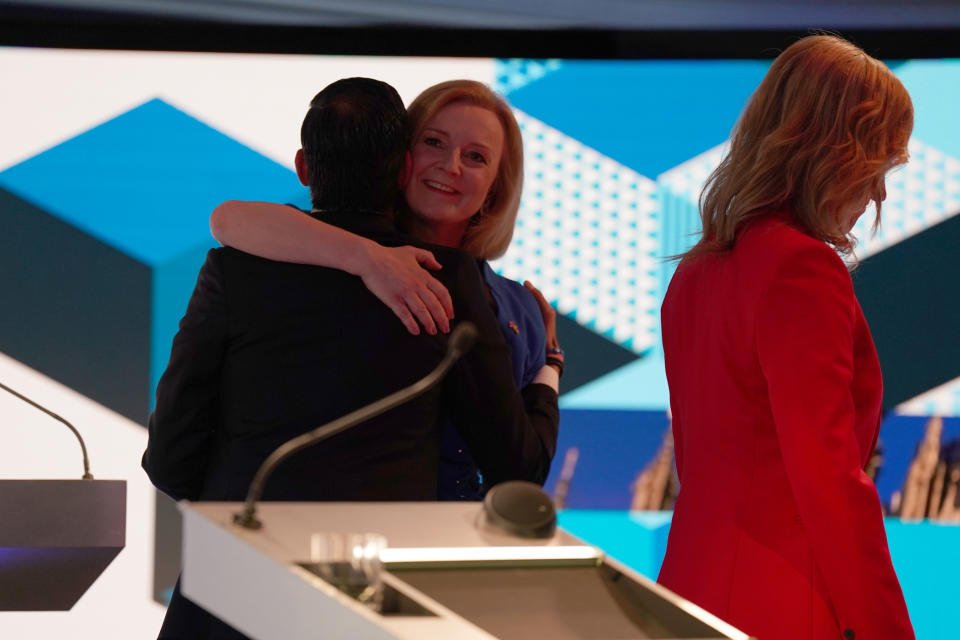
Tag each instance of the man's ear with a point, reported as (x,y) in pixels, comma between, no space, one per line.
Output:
(407,171)
(301,165)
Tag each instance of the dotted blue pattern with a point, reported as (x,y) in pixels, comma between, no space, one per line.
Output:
(585,235)
(920,194)
(515,73)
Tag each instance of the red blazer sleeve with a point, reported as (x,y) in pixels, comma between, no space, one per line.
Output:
(805,328)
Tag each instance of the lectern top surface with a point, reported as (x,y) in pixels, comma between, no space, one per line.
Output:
(542,587)
(405,524)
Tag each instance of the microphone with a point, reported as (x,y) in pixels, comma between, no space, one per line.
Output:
(86,460)
(461,340)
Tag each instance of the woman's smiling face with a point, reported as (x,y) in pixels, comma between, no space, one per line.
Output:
(455,160)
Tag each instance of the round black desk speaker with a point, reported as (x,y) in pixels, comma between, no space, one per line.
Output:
(520,509)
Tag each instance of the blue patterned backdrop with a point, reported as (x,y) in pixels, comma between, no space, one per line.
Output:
(615,152)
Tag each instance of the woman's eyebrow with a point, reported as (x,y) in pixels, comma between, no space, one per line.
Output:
(447,134)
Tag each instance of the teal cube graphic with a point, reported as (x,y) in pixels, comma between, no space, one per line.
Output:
(649,116)
(105,234)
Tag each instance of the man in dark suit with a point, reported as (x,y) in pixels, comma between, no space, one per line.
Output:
(268,351)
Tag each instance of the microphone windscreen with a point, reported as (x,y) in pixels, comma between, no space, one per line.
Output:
(462,338)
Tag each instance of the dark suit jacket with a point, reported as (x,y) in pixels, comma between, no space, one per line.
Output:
(775,392)
(268,350)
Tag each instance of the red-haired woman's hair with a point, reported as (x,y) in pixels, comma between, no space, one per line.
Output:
(817,136)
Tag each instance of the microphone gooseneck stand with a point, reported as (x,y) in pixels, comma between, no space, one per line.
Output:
(460,342)
(86,460)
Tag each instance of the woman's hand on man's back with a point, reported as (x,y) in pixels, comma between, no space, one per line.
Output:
(400,278)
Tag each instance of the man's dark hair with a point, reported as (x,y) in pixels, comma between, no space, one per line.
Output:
(354,139)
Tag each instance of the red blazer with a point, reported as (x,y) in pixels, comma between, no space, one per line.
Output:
(775,393)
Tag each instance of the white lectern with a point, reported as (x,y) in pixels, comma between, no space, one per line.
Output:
(445,577)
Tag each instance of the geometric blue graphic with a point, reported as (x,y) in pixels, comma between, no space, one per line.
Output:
(639,385)
(636,538)
(940,401)
(898,440)
(123,208)
(920,194)
(678,191)
(586,122)
(143,184)
(585,236)
(614,446)
(145,181)
(650,115)
(935,92)
(926,557)
(513,73)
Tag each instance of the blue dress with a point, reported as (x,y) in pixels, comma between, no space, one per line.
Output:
(521,322)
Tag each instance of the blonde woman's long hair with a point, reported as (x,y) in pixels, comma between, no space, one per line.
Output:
(491,228)
(817,136)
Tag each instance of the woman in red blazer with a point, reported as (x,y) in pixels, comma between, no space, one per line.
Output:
(775,385)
